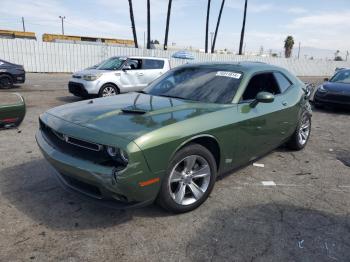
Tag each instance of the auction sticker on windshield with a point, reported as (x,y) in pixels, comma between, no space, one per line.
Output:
(229,74)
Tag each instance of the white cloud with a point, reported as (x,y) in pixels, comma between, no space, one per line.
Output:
(297,10)
(324,19)
(44,17)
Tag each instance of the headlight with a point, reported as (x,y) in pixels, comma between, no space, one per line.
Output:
(321,89)
(91,77)
(118,155)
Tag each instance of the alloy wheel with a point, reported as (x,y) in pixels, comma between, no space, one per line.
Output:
(304,130)
(189,180)
(5,82)
(108,91)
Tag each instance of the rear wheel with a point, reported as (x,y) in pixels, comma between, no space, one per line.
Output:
(301,135)
(189,180)
(6,81)
(108,90)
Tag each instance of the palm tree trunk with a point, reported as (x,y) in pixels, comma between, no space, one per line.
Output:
(133,24)
(148,25)
(243,28)
(207,28)
(167,26)
(217,26)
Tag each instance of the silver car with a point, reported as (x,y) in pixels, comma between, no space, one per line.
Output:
(117,75)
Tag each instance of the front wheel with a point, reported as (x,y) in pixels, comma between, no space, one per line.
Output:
(6,81)
(302,133)
(189,180)
(108,90)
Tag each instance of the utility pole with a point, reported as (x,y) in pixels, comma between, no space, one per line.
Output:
(347,54)
(299,51)
(133,24)
(217,26)
(243,27)
(148,25)
(62,18)
(24,28)
(207,28)
(167,26)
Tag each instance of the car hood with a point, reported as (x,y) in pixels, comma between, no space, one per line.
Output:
(131,115)
(91,72)
(337,87)
(5,64)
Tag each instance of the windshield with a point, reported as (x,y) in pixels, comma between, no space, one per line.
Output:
(342,76)
(203,84)
(113,63)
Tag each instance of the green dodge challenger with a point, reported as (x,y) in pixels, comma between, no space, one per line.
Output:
(169,142)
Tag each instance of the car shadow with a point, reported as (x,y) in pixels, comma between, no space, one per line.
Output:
(332,110)
(33,189)
(271,232)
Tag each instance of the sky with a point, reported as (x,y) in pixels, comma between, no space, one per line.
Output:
(320,24)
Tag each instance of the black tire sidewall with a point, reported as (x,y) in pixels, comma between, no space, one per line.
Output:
(10,81)
(105,86)
(164,197)
(294,142)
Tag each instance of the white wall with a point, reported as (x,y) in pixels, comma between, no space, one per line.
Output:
(37,56)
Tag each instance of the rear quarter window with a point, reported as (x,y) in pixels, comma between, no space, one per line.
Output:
(152,64)
(283,82)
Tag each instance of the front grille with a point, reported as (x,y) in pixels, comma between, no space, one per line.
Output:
(76,147)
(338,97)
(85,187)
(77,89)
(77,76)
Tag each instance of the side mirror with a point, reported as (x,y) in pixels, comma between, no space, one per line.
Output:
(263,97)
(126,67)
(326,79)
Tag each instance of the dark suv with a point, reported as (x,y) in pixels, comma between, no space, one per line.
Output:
(11,74)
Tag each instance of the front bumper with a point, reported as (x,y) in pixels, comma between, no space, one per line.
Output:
(81,87)
(100,182)
(77,89)
(19,78)
(332,99)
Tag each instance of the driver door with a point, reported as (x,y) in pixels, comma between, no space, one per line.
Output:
(259,128)
(130,77)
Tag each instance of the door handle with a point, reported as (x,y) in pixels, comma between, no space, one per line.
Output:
(284,103)
(140,74)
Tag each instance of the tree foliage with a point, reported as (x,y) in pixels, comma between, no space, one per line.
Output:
(288,46)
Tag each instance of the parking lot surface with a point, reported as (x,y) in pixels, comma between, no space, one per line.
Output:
(295,208)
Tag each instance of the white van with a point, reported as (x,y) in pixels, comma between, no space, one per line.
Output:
(117,75)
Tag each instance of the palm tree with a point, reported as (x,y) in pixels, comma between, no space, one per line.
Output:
(207,28)
(288,46)
(133,23)
(148,25)
(167,26)
(217,26)
(243,28)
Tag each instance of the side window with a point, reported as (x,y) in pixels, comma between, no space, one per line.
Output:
(152,64)
(282,81)
(135,64)
(264,82)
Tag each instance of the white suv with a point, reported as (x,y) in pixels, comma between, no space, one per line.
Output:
(117,75)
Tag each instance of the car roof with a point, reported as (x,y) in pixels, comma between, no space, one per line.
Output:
(142,57)
(243,66)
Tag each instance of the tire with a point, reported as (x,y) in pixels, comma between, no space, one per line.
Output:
(302,133)
(108,90)
(189,179)
(6,82)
